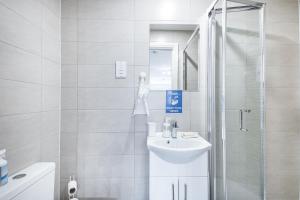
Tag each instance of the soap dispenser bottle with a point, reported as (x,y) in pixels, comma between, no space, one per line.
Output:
(3,168)
(166,128)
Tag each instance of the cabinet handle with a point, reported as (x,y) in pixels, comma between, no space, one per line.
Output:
(173,192)
(185,191)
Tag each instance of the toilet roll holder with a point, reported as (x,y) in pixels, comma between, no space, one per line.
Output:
(72,188)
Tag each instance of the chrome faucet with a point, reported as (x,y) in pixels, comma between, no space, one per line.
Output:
(174,128)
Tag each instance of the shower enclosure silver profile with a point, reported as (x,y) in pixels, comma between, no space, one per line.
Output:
(186,57)
(236,98)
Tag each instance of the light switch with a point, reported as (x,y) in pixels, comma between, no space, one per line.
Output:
(121,69)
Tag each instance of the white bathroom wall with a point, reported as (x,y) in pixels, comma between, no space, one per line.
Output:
(102,143)
(282,93)
(30,82)
(105,146)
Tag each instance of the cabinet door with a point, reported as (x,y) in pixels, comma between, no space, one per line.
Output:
(193,188)
(163,188)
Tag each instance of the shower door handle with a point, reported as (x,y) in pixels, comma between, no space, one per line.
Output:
(242,125)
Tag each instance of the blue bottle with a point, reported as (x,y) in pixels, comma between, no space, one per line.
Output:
(3,168)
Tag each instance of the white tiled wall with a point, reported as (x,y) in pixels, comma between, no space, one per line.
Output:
(110,158)
(108,151)
(30,82)
(282,93)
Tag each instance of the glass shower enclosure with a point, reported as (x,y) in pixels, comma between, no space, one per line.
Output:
(236,87)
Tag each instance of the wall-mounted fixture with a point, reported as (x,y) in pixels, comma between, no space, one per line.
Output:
(121,69)
(141,104)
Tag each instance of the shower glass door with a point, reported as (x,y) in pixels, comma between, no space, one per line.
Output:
(238,74)
(243,104)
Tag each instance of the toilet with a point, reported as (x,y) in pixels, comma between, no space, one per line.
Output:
(34,182)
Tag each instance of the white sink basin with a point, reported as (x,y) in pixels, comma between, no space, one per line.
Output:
(177,150)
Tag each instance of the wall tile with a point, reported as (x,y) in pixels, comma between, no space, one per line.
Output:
(157,100)
(69,98)
(282,32)
(105,31)
(68,166)
(141,31)
(140,124)
(141,189)
(282,119)
(141,166)
(283,186)
(283,98)
(28,39)
(104,53)
(28,128)
(69,75)
(103,76)
(30,9)
(23,156)
(141,53)
(140,143)
(69,8)
(68,30)
(116,166)
(51,73)
(68,147)
(101,9)
(19,65)
(115,188)
(51,98)
(51,23)
(69,53)
(105,144)
(105,98)
(51,48)
(53,5)
(19,97)
(282,149)
(199,7)
(276,76)
(281,54)
(69,121)
(48,143)
(282,11)
(105,121)
(161,10)
(50,122)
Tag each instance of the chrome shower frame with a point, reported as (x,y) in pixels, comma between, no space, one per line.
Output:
(185,59)
(211,124)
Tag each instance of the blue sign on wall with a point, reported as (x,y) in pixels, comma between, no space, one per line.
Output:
(174,101)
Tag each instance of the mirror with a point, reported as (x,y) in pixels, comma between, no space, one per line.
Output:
(173,54)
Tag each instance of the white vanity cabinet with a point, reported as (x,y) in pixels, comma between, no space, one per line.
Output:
(178,168)
(181,188)
(178,181)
